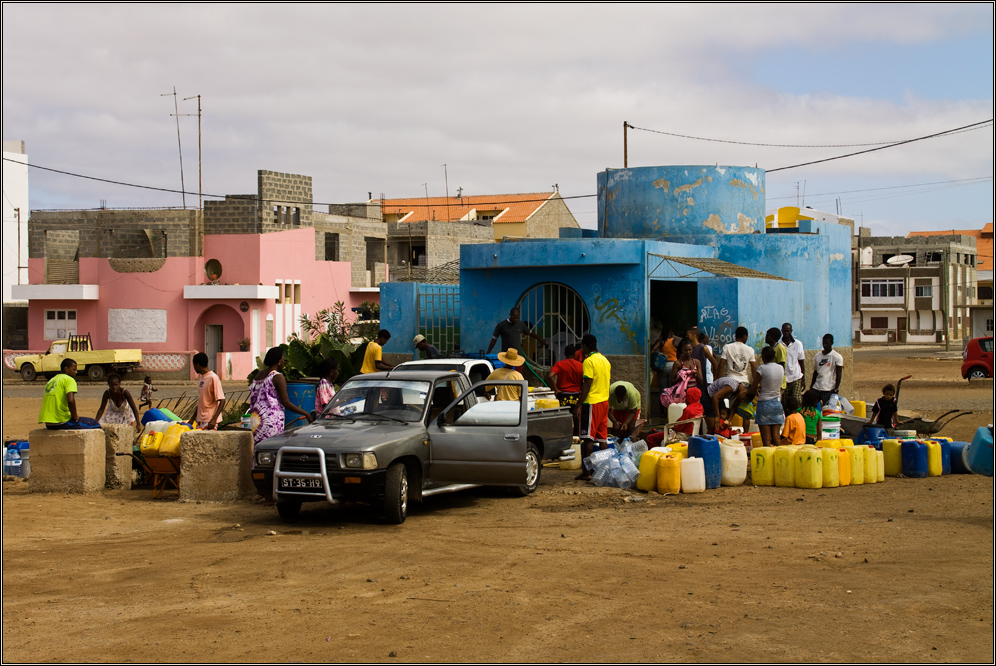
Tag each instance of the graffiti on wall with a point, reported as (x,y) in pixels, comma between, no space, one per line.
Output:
(718,324)
(610,309)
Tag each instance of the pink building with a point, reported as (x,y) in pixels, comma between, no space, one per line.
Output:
(239,286)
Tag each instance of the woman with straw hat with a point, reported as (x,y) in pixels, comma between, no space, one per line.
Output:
(512,360)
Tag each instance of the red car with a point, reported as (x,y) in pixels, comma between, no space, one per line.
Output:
(978,355)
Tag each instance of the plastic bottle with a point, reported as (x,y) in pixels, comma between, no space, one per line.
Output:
(15,462)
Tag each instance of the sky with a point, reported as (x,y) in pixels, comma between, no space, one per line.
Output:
(510,98)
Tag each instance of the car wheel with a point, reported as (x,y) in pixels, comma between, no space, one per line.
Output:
(95,372)
(396,494)
(28,373)
(977,373)
(533,467)
(289,510)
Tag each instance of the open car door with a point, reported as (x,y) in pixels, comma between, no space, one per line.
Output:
(480,442)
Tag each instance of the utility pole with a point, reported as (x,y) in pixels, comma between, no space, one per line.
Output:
(176,107)
(626,126)
(198,233)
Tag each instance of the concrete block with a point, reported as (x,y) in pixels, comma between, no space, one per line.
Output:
(117,469)
(216,466)
(67,461)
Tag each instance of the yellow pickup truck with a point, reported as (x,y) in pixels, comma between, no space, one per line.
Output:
(95,363)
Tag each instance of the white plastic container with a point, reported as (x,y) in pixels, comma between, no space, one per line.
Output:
(158,426)
(693,475)
(674,411)
(733,456)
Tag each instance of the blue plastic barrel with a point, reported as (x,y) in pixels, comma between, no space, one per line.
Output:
(872,435)
(958,464)
(914,455)
(302,394)
(979,454)
(707,448)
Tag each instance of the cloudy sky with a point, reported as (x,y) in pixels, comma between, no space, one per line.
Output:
(512,98)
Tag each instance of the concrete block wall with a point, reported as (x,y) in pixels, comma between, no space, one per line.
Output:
(111,233)
(67,461)
(287,190)
(237,214)
(551,217)
(117,469)
(216,466)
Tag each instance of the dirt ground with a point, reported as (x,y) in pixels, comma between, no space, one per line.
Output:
(894,572)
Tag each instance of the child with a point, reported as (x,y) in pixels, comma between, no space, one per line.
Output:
(884,411)
(767,385)
(723,424)
(794,430)
(811,414)
(692,411)
(145,400)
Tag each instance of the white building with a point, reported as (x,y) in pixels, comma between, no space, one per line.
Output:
(15,216)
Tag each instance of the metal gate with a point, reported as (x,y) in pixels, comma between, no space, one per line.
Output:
(556,313)
(439,316)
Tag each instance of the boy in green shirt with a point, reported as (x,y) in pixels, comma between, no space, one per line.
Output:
(58,409)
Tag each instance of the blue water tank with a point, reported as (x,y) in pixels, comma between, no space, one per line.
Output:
(660,201)
(302,394)
(707,448)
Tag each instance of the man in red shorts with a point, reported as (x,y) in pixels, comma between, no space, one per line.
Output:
(593,410)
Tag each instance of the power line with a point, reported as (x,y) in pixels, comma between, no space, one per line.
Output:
(783,145)
(977,125)
(284,201)
(891,187)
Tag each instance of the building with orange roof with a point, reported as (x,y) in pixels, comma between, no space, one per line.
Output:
(524,215)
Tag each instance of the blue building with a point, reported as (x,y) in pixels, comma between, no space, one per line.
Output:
(681,246)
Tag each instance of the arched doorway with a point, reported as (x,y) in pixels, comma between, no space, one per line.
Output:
(556,313)
(218,330)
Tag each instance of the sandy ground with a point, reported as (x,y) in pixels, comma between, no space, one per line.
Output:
(893,572)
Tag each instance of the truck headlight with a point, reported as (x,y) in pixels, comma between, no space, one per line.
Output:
(264,458)
(361,461)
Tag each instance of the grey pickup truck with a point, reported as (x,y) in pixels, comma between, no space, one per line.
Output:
(398,436)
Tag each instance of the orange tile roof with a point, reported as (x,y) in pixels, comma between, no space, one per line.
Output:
(983,242)
(519,206)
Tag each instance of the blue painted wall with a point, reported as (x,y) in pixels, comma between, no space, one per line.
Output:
(664,201)
(820,262)
(399,315)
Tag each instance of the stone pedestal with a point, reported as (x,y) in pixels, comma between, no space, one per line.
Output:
(67,461)
(117,469)
(216,466)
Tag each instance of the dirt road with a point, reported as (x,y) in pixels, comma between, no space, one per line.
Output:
(899,572)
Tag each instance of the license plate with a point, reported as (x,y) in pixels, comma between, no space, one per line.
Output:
(300,483)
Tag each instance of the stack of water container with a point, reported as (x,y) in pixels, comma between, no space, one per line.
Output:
(827,464)
(162,439)
(703,463)
(920,458)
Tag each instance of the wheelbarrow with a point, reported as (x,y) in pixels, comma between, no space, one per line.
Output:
(163,472)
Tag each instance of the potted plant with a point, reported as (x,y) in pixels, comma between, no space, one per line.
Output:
(244,344)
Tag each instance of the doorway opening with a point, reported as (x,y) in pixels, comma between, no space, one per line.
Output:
(674,304)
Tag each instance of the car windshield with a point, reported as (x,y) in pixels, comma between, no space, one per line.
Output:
(394,399)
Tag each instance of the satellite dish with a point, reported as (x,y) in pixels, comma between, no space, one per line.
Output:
(899,260)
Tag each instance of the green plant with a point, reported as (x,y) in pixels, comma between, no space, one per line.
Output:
(326,335)
(374,309)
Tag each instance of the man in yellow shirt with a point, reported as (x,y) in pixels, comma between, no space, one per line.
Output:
(58,408)
(512,360)
(372,358)
(593,404)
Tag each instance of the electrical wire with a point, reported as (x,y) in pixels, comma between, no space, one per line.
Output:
(978,125)
(783,145)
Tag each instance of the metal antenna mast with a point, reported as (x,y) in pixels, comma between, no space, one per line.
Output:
(176,106)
